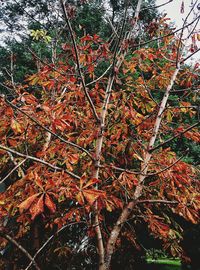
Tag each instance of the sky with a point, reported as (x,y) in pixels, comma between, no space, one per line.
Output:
(173,11)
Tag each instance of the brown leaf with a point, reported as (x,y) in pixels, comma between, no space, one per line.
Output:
(91,195)
(37,208)
(91,182)
(27,203)
(80,198)
(50,204)
(182,7)
(16,127)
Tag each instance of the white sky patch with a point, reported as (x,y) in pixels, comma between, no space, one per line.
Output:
(173,10)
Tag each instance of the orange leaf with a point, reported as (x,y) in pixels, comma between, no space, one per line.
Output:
(82,181)
(73,158)
(12,142)
(16,127)
(27,203)
(92,195)
(50,204)
(117,202)
(37,208)
(190,216)
(80,198)
(91,182)
(38,180)
(109,206)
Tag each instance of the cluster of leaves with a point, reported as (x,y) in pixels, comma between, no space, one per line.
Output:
(49,138)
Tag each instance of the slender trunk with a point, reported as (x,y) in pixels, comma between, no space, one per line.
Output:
(105,259)
(144,169)
(99,144)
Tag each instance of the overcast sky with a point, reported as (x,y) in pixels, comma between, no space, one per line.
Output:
(173,11)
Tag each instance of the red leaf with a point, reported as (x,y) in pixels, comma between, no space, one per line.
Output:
(27,203)
(38,180)
(80,198)
(86,38)
(37,208)
(73,158)
(91,182)
(91,195)
(50,204)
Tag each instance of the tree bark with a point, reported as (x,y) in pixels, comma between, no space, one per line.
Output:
(144,169)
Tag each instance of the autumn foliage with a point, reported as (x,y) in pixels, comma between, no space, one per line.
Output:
(51,130)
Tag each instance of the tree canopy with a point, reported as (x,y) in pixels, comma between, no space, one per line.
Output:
(88,141)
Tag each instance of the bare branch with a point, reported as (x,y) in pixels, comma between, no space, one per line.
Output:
(155,7)
(38,160)
(112,26)
(157,201)
(14,169)
(181,34)
(168,167)
(174,137)
(125,213)
(100,77)
(167,35)
(189,56)
(147,89)
(13,241)
(51,238)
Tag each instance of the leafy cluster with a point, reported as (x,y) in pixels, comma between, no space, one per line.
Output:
(74,152)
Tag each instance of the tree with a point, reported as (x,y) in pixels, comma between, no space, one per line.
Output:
(82,148)
(19,18)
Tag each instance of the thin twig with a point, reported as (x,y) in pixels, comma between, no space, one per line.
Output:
(38,160)
(112,26)
(167,35)
(181,34)
(155,7)
(99,78)
(28,255)
(78,61)
(148,91)
(174,137)
(51,238)
(168,167)
(47,129)
(183,60)
(157,201)
(14,169)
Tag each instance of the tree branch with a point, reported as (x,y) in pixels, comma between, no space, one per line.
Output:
(99,78)
(48,130)
(186,58)
(174,137)
(13,241)
(155,7)
(157,201)
(14,169)
(38,160)
(51,238)
(181,34)
(126,211)
(168,167)
(167,35)
(78,62)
